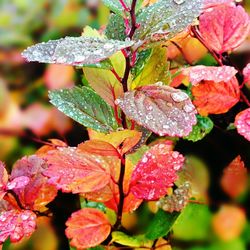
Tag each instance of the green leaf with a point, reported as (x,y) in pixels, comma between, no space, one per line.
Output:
(86,107)
(161,224)
(201,129)
(156,69)
(142,59)
(97,248)
(131,241)
(166,18)
(115,28)
(106,64)
(193,223)
(116,7)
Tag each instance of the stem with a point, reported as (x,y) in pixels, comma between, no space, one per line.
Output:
(125,7)
(127,53)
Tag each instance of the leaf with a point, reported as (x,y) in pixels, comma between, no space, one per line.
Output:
(3,180)
(196,217)
(37,193)
(155,172)
(242,123)
(215,98)
(214,3)
(115,28)
(229,222)
(176,201)
(161,224)
(76,51)
(246,73)
(166,18)
(155,70)
(86,107)
(161,109)
(201,129)
(224,28)
(87,227)
(234,179)
(76,171)
(122,140)
(199,73)
(131,241)
(16,225)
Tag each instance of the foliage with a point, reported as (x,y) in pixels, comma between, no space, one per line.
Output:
(136,88)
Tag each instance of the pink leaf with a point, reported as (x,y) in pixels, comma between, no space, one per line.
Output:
(214,3)
(87,227)
(16,225)
(197,74)
(242,123)
(246,73)
(73,170)
(3,180)
(19,182)
(37,193)
(155,172)
(224,27)
(162,109)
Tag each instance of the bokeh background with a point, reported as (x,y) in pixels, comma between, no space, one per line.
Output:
(27,120)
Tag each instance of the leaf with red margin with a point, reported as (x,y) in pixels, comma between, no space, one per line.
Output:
(234,179)
(155,172)
(215,98)
(242,123)
(162,109)
(87,227)
(16,224)
(76,171)
(224,27)
(199,73)
(38,192)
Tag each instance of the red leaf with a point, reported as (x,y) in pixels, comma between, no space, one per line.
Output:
(234,179)
(155,172)
(87,227)
(246,73)
(242,123)
(197,74)
(76,171)
(16,224)
(3,180)
(38,192)
(162,109)
(216,98)
(224,27)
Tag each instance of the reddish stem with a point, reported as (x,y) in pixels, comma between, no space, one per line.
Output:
(116,75)
(125,7)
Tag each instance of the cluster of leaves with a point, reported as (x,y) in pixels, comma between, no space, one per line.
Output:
(131,92)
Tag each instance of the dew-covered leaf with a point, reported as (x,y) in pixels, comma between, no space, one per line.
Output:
(123,140)
(87,227)
(19,182)
(75,51)
(161,109)
(115,28)
(246,73)
(37,193)
(214,3)
(199,73)
(166,18)
(86,107)
(77,171)
(155,70)
(178,200)
(16,224)
(201,129)
(155,172)
(234,179)
(242,123)
(215,98)
(224,27)
(161,224)
(3,180)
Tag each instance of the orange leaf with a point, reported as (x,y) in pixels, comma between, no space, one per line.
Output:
(234,179)
(87,227)
(216,98)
